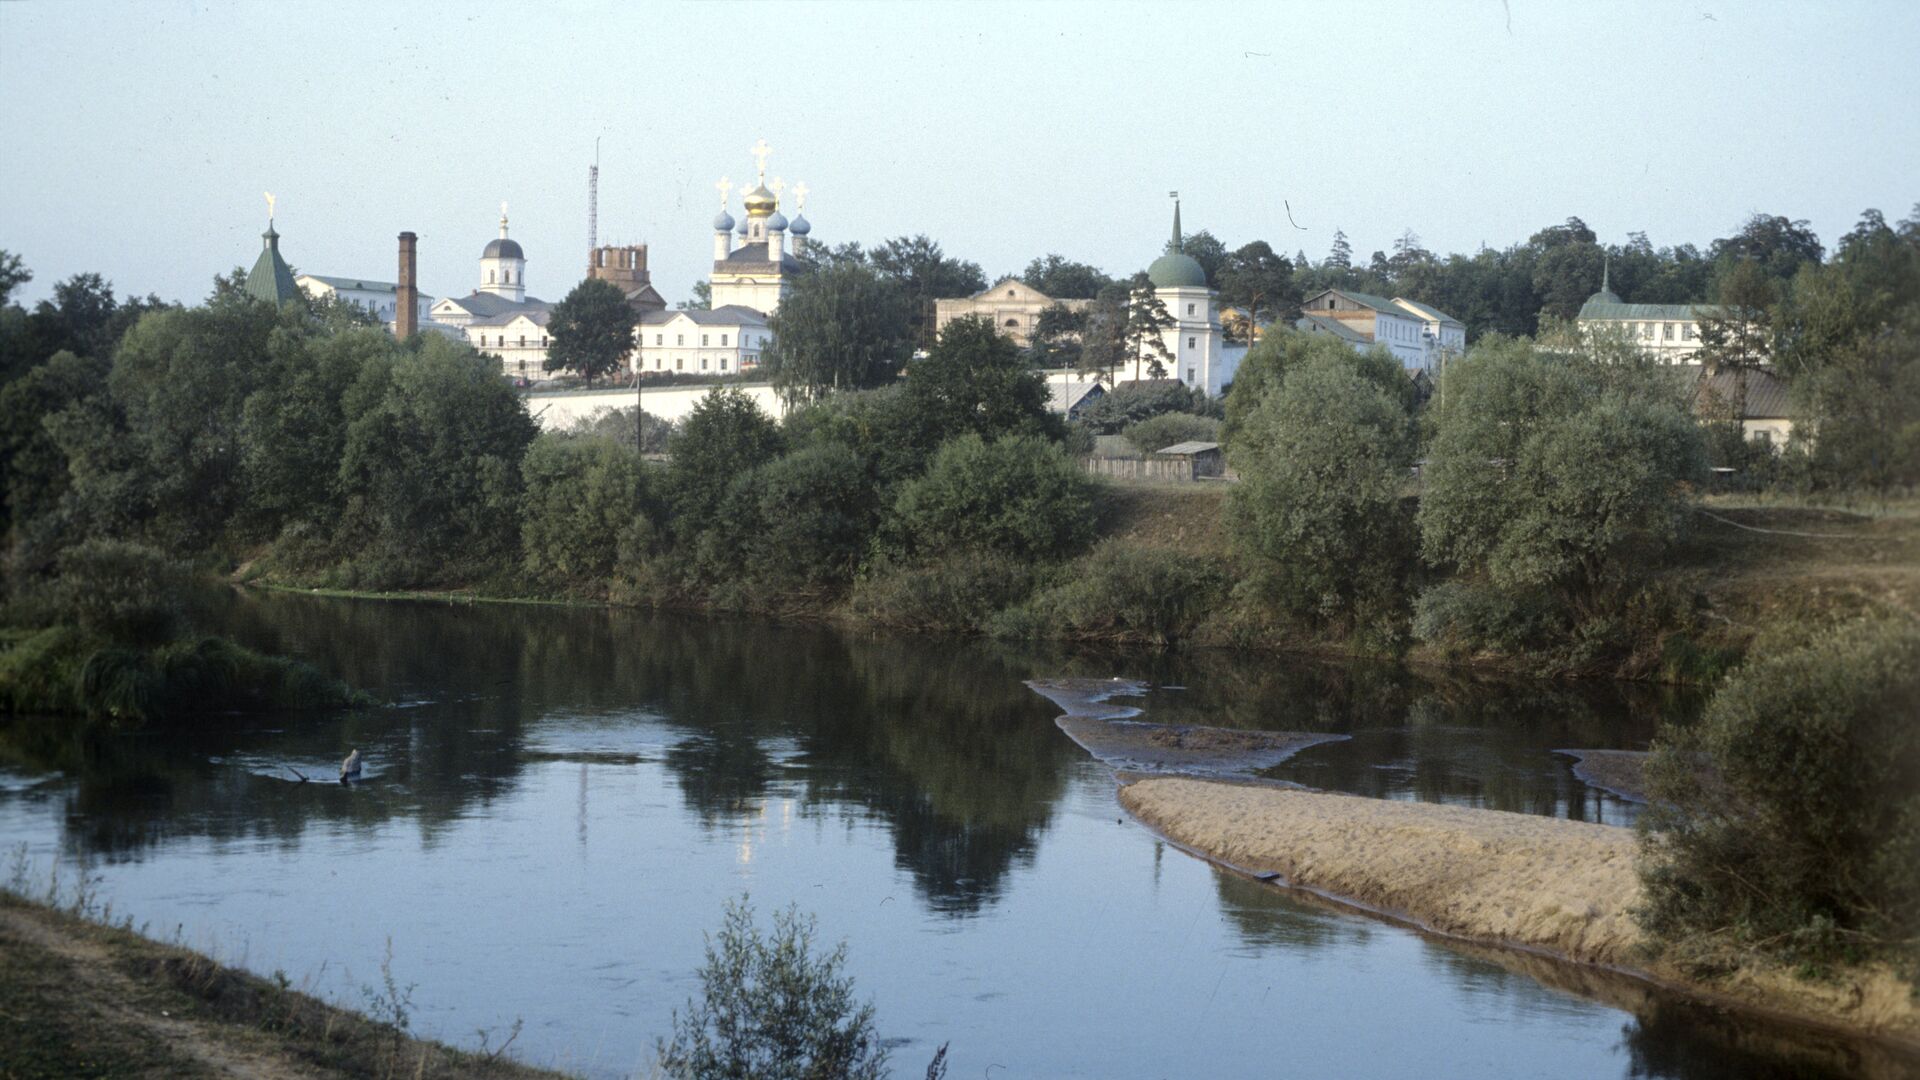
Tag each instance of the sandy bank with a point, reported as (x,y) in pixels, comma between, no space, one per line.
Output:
(1106,729)
(1565,888)
(1622,772)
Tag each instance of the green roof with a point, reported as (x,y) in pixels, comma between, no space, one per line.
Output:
(1176,269)
(1429,312)
(1599,311)
(1378,303)
(270,279)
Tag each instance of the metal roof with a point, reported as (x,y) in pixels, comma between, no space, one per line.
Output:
(1311,323)
(1185,448)
(1593,311)
(1767,397)
(270,279)
(486,305)
(1426,312)
(725,315)
(356,284)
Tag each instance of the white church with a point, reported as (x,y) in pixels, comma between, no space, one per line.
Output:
(499,318)
(1200,356)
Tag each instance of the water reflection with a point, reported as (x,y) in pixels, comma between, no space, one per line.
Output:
(628,771)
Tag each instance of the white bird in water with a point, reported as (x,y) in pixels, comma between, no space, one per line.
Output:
(350,768)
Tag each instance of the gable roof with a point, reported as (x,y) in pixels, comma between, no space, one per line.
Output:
(724,315)
(1315,323)
(1028,294)
(486,305)
(1066,396)
(1767,397)
(537,317)
(1429,313)
(355,284)
(1188,448)
(1366,300)
(1595,311)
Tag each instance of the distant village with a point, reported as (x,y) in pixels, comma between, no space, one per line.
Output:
(757,257)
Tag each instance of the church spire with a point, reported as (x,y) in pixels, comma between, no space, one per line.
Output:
(1176,243)
(1606,271)
(503,221)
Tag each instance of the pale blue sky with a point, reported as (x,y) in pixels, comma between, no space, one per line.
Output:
(139,137)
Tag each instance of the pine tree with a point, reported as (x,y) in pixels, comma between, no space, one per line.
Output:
(1147,324)
(1341,257)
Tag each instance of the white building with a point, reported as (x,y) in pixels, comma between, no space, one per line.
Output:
(1671,332)
(1201,357)
(1417,335)
(723,341)
(499,318)
(1011,305)
(379,298)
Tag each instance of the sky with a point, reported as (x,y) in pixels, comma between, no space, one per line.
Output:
(139,138)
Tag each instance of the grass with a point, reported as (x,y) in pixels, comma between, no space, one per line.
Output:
(83,999)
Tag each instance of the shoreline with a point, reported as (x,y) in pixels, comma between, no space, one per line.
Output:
(1558,891)
(78,996)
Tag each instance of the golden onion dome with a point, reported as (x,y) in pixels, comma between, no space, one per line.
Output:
(760,202)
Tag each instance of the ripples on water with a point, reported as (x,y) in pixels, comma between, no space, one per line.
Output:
(569,796)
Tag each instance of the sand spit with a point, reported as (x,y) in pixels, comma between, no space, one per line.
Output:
(1564,888)
(1108,731)
(1622,772)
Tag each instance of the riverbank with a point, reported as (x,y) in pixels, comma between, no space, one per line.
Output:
(1563,888)
(1744,568)
(81,999)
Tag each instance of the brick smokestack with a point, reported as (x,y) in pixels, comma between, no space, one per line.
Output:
(406,315)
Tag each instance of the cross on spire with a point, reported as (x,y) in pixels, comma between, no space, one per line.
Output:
(723,187)
(1175,244)
(269,207)
(503,218)
(761,151)
(777,186)
(800,196)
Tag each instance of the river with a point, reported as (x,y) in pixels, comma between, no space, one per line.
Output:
(558,802)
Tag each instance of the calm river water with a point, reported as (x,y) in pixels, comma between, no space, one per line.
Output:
(559,802)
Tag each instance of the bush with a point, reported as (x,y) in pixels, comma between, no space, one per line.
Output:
(1137,401)
(585,500)
(956,594)
(121,590)
(772,1009)
(1122,592)
(1788,820)
(805,518)
(1465,617)
(1168,429)
(1018,495)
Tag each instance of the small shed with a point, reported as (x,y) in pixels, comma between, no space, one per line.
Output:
(1206,457)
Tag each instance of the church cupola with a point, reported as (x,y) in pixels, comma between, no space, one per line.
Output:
(503,266)
(723,223)
(271,279)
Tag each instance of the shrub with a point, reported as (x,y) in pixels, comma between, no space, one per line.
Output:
(125,591)
(771,1008)
(805,518)
(1137,401)
(1788,819)
(725,435)
(1122,592)
(955,594)
(1167,429)
(1463,617)
(1018,495)
(585,498)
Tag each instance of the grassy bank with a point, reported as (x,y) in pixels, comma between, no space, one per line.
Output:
(1164,569)
(79,999)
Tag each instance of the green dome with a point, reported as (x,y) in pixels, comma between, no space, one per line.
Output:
(1176,270)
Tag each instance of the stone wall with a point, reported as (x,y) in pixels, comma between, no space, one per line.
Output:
(559,408)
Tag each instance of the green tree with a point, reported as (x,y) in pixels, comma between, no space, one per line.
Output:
(1258,281)
(1279,351)
(1787,820)
(974,380)
(1340,257)
(725,435)
(802,519)
(1736,331)
(1147,324)
(293,430)
(1057,336)
(843,327)
(1207,250)
(32,463)
(883,428)
(1156,433)
(1778,245)
(1063,279)
(1322,504)
(702,297)
(592,330)
(1556,470)
(772,1009)
(1018,495)
(13,274)
(925,274)
(430,472)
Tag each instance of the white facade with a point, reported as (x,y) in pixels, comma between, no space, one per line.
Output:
(723,341)
(560,408)
(498,318)
(379,298)
(1418,336)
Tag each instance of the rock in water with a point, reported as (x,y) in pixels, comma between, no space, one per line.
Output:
(350,768)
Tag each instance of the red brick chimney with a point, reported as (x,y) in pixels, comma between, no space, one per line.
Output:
(406,314)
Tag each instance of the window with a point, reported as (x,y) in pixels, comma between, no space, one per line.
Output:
(1189,374)
(723,363)
(703,363)
(523,341)
(657,362)
(1686,332)
(489,277)
(679,339)
(1190,343)
(723,341)
(703,341)
(1013,324)
(680,364)
(1666,331)
(507,278)
(1329,303)
(543,341)
(1649,332)
(659,339)
(1009,292)
(1189,309)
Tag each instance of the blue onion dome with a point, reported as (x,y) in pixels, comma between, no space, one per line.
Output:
(502,248)
(778,220)
(723,223)
(1176,270)
(800,226)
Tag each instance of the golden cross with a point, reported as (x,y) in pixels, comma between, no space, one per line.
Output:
(269,205)
(800,196)
(761,151)
(777,187)
(723,187)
